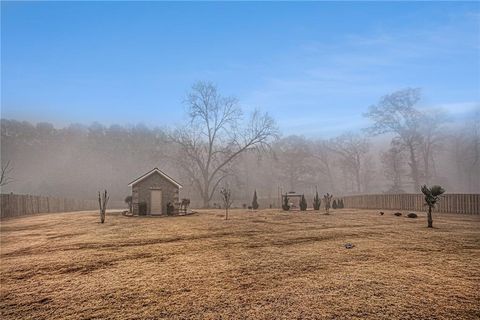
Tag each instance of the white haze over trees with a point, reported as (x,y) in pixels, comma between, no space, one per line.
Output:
(402,148)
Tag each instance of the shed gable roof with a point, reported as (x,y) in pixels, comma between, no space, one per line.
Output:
(155,170)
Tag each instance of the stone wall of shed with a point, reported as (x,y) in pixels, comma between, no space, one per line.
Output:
(141,192)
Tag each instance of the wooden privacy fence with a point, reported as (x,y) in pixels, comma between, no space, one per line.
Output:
(14,205)
(450,203)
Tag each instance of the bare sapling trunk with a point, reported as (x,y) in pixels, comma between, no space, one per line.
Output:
(227,200)
(102,202)
(327,198)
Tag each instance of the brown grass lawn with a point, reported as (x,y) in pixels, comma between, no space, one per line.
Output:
(257,265)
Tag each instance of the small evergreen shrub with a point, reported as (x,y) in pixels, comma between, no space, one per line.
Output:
(170,208)
(142,208)
(128,200)
(316,201)
(334,204)
(255,202)
(303,204)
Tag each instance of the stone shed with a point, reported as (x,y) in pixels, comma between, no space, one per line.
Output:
(152,192)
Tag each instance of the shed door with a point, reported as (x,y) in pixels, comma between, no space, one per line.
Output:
(156,201)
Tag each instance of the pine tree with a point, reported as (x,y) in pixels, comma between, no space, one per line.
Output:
(316,201)
(254,202)
(303,204)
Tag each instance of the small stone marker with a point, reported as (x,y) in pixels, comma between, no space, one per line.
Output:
(349,245)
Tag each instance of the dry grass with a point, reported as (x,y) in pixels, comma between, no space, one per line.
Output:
(257,265)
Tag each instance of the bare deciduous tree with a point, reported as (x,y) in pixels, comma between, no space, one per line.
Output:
(320,151)
(327,199)
(215,136)
(395,113)
(352,149)
(227,199)
(5,174)
(433,134)
(295,168)
(393,168)
(471,153)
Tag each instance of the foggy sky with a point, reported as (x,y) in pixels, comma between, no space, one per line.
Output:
(315,67)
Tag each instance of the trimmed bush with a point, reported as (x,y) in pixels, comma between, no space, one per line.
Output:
(128,200)
(316,202)
(142,208)
(255,202)
(303,204)
(412,215)
(398,214)
(170,208)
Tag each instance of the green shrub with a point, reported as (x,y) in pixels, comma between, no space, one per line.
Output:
(128,200)
(170,209)
(303,203)
(316,201)
(142,208)
(255,202)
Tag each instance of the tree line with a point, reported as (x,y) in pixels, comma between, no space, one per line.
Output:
(402,148)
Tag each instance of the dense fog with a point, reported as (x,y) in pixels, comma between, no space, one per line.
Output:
(402,149)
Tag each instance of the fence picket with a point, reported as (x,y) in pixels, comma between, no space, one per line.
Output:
(450,203)
(13,205)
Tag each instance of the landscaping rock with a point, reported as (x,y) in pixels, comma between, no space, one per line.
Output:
(398,214)
(412,215)
(349,245)
(381,213)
